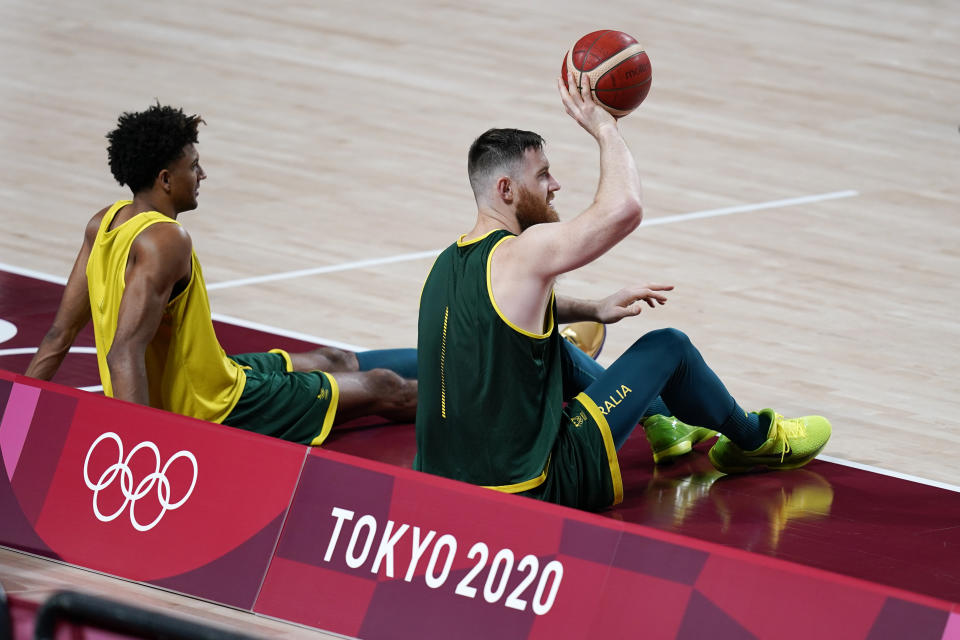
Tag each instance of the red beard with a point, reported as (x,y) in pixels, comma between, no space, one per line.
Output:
(531,210)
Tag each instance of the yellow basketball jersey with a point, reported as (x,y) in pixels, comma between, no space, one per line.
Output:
(187,369)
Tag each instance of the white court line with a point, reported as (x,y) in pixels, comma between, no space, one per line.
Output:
(360,264)
(345,266)
(306,337)
(19,351)
(25,350)
(697,215)
(744,208)
(892,474)
(20,271)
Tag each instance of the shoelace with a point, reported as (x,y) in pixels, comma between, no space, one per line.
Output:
(783,430)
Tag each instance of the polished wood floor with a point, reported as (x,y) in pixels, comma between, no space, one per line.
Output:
(337,133)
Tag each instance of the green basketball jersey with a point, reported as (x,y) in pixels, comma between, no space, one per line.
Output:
(490,394)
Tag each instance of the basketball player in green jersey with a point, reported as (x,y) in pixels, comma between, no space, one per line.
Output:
(138,279)
(491,367)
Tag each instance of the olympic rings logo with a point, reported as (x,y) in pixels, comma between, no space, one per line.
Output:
(122,468)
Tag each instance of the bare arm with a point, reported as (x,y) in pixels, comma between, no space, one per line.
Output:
(72,315)
(548,250)
(624,303)
(524,268)
(159,259)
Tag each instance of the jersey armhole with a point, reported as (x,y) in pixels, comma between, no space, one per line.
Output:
(503,317)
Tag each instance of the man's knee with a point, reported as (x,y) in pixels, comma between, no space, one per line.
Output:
(386,384)
(339,359)
(669,338)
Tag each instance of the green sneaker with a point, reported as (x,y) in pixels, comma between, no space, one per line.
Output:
(791,443)
(669,438)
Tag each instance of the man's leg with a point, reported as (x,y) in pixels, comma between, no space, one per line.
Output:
(666,362)
(580,371)
(668,436)
(403,362)
(378,392)
(329,359)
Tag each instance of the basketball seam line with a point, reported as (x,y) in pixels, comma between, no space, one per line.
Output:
(597,91)
(618,63)
(619,58)
(580,79)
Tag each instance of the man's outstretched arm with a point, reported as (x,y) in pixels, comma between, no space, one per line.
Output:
(72,315)
(624,303)
(547,250)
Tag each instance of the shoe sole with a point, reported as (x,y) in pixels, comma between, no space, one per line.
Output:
(675,451)
(761,465)
(679,448)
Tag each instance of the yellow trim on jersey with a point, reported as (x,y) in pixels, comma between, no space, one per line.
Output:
(286,358)
(604,428)
(526,485)
(493,302)
(424,285)
(443,373)
(331,411)
(462,243)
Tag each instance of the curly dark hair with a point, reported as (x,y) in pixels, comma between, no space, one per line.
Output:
(146,142)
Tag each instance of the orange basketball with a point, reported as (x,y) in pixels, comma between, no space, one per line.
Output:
(618,68)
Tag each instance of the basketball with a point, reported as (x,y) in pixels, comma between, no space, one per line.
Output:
(617,66)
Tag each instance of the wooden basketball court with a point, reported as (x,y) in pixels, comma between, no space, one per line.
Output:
(799,161)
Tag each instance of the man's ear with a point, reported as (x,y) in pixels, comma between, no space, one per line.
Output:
(506,190)
(163,179)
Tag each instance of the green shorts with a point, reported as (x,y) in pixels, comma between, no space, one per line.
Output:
(583,471)
(280,402)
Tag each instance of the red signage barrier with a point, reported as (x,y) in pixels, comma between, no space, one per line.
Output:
(141,493)
(375,551)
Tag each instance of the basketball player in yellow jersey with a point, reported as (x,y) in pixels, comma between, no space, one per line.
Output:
(138,279)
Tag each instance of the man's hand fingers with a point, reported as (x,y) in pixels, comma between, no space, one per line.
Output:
(571,98)
(585,92)
(645,291)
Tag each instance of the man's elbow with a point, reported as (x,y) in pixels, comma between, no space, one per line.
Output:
(118,357)
(112,361)
(628,215)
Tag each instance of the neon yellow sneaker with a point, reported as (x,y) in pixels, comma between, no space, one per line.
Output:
(587,336)
(791,443)
(669,438)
